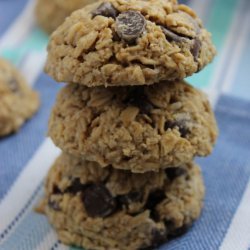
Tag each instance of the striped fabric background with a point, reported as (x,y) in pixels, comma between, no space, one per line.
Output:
(26,157)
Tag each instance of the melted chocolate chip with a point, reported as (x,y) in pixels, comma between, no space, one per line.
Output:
(56,190)
(54,205)
(137,97)
(130,25)
(98,201)
(135,196)
(107,10)
(196,49)
(175,232)
(158,237)
(181,125)
(155,198)
(75,187)
(173,173)
(171,36)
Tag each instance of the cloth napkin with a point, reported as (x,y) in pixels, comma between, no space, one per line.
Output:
(26,156)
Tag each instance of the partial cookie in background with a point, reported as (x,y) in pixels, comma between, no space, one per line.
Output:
(98,208)
(135,128)
(51,13)
(18,102)
(131,42)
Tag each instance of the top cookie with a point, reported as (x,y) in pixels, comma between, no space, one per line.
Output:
(17,101)
(51,13)
(132,42)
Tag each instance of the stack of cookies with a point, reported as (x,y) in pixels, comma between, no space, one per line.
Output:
(128,125)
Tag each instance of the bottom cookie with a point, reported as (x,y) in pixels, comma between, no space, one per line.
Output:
(98,208)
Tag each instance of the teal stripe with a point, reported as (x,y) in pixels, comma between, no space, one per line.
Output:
(219,23)
(36,41)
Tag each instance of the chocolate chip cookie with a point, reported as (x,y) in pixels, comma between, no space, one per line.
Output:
(98,208)
(51,13)
(132,42)
(17,101)
(140,129)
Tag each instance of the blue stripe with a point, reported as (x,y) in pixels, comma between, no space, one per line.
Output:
(9,10)
(16,150)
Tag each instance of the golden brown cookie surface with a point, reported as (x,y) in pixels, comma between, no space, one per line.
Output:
(135,128)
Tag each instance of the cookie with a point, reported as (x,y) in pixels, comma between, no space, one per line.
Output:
(132,42)
(98,208)
(17,101)
(51,13)
(135,128)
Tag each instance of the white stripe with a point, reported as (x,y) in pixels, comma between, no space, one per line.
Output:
(20,28)
(49,240)
(27,182)
(215,85)
(237,54)
(33,65)
(238,234)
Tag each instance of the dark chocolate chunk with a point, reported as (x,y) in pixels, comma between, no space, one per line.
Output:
(175,232)
(181,125)
(135,196)
(137,97)
(13,84)
(158,237)
(54,205)
(195,50)
(130,25)
(171,36)
(107,10)
(155,198)
(98,201)
(116,38)
(174,172)
(75,187)
(56,190)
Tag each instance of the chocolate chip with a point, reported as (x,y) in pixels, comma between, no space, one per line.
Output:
(13,84)
(130,25)
(56,190)
(155,198)
(195,50)
(171,36)
(107,10)
(175,232)
(181,125)
(174,172)
(127,199)
(116,38)
(158,237)
(54,205)
(75,187)
(136,97)
(98,201)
